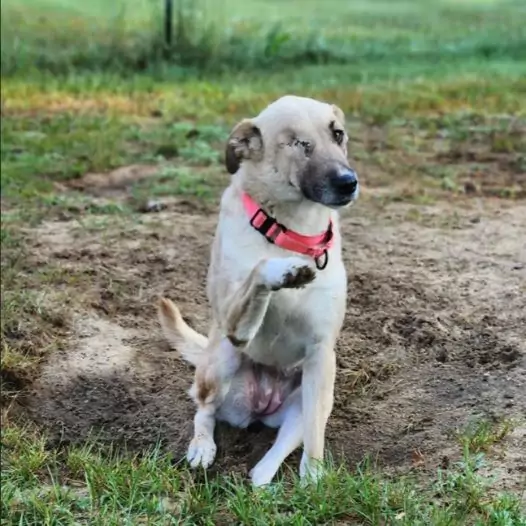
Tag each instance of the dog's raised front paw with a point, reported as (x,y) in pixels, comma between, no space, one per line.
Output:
(201,452)
(287,273)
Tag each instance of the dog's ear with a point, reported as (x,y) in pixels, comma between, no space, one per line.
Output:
(339,114)
(245,142)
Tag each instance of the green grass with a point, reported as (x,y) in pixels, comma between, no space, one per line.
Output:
(87,88)
(252,35)
(91,485)
(481,435)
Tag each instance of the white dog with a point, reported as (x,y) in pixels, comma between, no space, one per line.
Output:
(276,284)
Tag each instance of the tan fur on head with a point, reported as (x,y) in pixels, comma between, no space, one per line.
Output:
(292,151)
(183,338)
(245,142)
(339,114)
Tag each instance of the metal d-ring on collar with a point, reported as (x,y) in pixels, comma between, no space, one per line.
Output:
(322,261)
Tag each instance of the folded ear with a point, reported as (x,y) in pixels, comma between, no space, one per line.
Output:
(339,114)
(245,142)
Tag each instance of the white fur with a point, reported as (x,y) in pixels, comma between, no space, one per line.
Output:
(202,449)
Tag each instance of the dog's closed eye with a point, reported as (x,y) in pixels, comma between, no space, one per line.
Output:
(305,145)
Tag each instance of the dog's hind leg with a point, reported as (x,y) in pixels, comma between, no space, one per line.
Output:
(212,381)
(202,448)
(246,308)
(290,437)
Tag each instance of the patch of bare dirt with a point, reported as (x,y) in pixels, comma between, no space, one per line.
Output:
(118,179)
(490,163)
(434,335)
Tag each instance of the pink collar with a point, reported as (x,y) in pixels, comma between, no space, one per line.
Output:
(316,247)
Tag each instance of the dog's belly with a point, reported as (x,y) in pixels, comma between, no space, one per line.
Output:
(257,391)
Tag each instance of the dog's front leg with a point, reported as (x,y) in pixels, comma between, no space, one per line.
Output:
(290,422)
(247,306)
(319,374)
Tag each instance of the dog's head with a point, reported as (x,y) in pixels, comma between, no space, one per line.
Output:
(295,149)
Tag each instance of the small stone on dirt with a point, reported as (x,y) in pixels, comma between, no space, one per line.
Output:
(152,206)
(470,187)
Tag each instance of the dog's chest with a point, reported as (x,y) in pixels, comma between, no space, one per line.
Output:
(295,318)
(292,323)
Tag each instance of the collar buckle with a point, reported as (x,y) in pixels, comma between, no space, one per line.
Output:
(268,227)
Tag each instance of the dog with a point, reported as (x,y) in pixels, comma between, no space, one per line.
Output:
(276,284)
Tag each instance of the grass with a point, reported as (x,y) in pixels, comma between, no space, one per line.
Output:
(481,435)
(255,35)
(91,485)
(435,99)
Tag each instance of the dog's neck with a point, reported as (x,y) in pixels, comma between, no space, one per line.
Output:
(302,216)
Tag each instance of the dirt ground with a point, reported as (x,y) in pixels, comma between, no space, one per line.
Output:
(435,333)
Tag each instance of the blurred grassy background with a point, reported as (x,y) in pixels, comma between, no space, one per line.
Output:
(218,35)
(100,67)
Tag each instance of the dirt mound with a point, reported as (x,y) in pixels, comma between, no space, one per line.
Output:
(435,334)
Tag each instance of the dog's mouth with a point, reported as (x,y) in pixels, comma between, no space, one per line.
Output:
(343,201)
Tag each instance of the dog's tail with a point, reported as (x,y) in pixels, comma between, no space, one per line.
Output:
(188,342)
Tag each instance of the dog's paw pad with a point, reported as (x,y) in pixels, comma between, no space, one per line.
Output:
(201,452)
(298,278)
(289,273)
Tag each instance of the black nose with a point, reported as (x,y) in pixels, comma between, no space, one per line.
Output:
(345,181)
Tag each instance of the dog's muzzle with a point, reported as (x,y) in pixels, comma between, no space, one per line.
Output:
(334,186)
(342,185)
